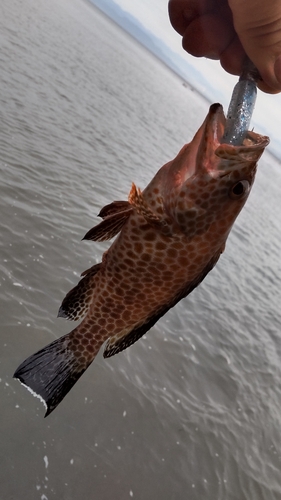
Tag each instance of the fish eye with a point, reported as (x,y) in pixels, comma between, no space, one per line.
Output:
(239,189)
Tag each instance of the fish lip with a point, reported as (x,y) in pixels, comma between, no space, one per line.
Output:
(215,123)
(215,127)
(211,135)
(213,150)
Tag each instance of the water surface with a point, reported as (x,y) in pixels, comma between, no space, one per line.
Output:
(192,410)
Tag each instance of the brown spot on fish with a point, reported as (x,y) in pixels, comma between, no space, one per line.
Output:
(150,236)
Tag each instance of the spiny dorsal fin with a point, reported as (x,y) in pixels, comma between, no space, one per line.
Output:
(77,301)
(137,200)
(114,208)
(109,227)
(115,345)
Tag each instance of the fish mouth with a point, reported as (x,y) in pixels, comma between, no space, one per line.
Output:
(214,130)
(216,157)
(209,138)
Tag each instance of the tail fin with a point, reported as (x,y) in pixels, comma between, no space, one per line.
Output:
(50,373)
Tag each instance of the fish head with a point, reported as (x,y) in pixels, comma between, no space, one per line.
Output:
(208,183)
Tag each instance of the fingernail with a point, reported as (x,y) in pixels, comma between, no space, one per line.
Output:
(277,69)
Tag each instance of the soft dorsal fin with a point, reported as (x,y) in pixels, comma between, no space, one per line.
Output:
(109,227)
(114,208)
(77,301)
(92,270)
(113,345)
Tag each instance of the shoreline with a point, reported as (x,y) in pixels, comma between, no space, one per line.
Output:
(92,7)
(184,81)
(273,148)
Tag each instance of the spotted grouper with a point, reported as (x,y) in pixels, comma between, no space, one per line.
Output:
(171,235)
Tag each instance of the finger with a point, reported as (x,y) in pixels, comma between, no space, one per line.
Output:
(232,60)
(183,12)
(201,36)
(233,57)
(259,30)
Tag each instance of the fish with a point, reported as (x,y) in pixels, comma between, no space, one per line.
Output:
(168,238)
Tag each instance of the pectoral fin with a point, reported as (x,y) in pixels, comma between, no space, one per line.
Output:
(114,208)
(109,227)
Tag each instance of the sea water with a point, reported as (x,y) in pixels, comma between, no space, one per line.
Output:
(192,410)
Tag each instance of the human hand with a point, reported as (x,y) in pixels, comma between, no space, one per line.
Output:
(229,30)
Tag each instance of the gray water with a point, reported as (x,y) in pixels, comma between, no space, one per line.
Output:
(192,411)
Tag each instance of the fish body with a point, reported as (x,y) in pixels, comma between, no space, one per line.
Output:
(170,236)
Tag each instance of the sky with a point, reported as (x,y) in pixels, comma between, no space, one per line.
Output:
(153,14)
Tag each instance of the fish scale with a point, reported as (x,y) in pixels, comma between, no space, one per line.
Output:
(170,235)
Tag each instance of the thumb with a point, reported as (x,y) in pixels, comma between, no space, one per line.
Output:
(258,26)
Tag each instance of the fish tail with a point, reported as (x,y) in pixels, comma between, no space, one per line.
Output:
(50,373)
